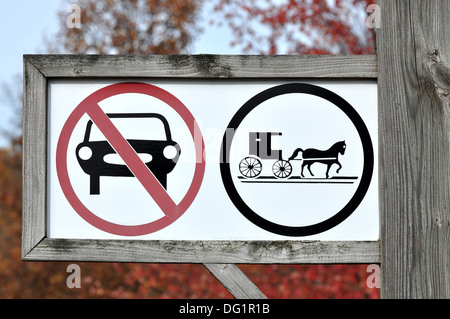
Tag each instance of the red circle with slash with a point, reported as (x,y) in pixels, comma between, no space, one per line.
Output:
(171,210)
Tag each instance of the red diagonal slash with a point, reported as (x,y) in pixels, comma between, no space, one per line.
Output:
(132,160)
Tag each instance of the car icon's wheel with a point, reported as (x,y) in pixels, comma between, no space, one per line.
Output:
(94,185)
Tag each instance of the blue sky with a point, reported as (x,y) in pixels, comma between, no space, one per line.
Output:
(24,23)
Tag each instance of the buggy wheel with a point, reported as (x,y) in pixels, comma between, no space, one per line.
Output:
(250,167)
(282,169)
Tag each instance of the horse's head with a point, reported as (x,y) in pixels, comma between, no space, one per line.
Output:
(341,147)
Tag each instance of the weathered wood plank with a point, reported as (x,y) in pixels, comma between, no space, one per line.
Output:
(34,154)
(43,67)
(414,101)
(235,281)
(208,252)
(207,66)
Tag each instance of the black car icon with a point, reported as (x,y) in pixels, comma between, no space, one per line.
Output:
(161,155)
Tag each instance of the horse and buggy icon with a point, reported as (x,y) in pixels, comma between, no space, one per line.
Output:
(260,149)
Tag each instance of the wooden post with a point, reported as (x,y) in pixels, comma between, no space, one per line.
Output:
(235,281)
(414,102)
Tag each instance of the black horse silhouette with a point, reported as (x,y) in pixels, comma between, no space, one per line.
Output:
(329,157)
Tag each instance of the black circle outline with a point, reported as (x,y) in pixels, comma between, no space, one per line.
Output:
(366,176)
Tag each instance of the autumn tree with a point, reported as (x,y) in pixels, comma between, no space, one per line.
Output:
(298,26)
(129,27)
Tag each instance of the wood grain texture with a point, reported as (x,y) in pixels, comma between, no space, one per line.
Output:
(206,66)
(414,89)
(34,157)
(209,252)
(235,281)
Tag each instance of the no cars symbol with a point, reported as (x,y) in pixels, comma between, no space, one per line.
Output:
(135,165)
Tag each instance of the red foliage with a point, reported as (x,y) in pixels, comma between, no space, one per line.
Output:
(299,26)
(168,281)
(312,281)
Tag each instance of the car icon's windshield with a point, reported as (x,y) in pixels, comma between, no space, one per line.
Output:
(147,126)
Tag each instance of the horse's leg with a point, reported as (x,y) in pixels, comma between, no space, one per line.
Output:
(339,168)
(309,169)
(303,166)
(328,169)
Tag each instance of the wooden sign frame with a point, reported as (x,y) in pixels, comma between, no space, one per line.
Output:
(39,69)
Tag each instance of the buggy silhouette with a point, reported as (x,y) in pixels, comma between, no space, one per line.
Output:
(260,148)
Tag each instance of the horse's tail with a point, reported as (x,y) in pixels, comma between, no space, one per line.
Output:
(294,155)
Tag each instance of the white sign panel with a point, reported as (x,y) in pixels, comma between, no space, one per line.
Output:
(228,160)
